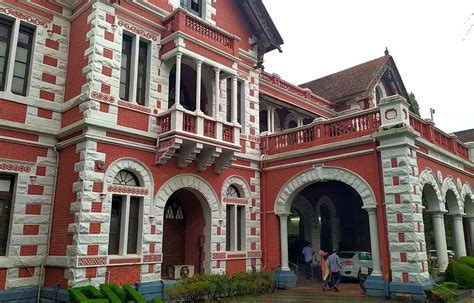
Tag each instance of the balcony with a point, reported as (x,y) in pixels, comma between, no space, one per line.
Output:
(191,135)
(322,132)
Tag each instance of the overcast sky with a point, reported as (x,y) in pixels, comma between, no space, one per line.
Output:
(424,37)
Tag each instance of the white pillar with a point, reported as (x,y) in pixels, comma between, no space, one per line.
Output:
(300,121)
(440,240)
(458,232)
(269,120)
(234,99)
(198,85)
(217,72)
(177,92)
(471,233)
(374,242)
(284,242)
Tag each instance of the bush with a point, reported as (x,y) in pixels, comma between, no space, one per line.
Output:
(133,295)
(461,274)
(112,292)
(202,287)
(469,261)
(445,293)
(157,300)
(88,294)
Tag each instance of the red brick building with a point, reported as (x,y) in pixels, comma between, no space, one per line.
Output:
(139,136)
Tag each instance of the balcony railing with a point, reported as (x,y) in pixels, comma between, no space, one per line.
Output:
(322,132)
(439,138)
(184,122)
(186,23)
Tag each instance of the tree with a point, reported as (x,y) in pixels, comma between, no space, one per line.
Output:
(414,107)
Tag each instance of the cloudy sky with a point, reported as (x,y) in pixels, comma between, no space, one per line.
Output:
(424,37)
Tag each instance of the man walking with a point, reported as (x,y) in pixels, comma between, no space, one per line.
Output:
(308,260)
(335,267)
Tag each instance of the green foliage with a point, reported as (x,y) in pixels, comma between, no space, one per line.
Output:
(86,294)
(450,285)
(461,274)
(112,292)
(202,287)
(133,295)
(466,260)
(414,106)
(444,292)
(156,300)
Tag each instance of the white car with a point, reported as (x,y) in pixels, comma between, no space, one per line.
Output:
(355,263)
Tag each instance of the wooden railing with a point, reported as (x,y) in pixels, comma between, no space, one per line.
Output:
(164,122)
(439,138)
(184,22)
(227,133)
(209,128)
(189,123)
(318,133)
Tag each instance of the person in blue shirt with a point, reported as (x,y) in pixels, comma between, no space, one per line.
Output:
(308,260)
(335,267)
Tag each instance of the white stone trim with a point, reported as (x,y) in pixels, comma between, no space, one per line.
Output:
(135,166)
(242,185)
(449,184)
(466,191)
(212,210)
(322,173)
(427,177)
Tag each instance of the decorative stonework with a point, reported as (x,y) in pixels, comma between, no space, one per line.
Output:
(427,177)
(91,261)
(15,167)
(20,15)
(136,30)
(449,184)
(155,258)
(235,200)
(130,190)
(318,174)
(102,97)
(466,191)
(239,182)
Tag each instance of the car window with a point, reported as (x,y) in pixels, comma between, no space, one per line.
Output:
(365,256)
(346,255)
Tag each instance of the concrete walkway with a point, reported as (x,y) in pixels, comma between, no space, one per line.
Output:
(313,293)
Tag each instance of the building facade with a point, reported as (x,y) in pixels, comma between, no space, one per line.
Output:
(138,136)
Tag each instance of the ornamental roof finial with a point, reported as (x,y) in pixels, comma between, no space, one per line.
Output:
(386,51)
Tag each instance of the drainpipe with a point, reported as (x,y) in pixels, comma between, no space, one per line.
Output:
(53,197)
(263,217)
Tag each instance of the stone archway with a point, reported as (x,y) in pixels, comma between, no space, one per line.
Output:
(293,186)
(455,207)
(467,195)
(209,202)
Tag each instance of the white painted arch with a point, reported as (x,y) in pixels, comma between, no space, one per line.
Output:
(319,174)
(137,167)
(208,198)
(456,206)
(435,202)
(239,182)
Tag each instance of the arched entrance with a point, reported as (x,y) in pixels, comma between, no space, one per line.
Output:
(201,214)
(466,194)
(183,232)
(353,187)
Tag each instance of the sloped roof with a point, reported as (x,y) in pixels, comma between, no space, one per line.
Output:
(352,81)
(466,135)
(262,24)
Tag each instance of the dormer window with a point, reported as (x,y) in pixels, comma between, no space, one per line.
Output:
(192,6)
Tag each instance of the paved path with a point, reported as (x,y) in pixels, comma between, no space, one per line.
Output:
(313,293)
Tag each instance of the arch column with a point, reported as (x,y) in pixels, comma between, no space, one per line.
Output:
(177,100)
(458,231)
(440,240)
(374,242)
(470,221)
(284,241)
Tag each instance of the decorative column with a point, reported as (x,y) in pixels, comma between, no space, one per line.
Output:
(217,72)
(374,242)
(440,240)
(458,231)
(471,232)
(269,120)
(402,195)
(284,242)
(198,85)
(234,99)
(178,80)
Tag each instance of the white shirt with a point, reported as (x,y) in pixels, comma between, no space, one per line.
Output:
(308,253)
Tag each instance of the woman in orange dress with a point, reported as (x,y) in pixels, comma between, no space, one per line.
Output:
(324,270)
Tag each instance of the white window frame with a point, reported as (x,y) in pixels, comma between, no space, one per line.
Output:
(15,33)
(12,212)
(187,6)
(124,222)
(132,90)
(233,226)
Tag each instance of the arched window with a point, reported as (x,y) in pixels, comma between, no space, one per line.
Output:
(125,217)
(235,221)
(125,177)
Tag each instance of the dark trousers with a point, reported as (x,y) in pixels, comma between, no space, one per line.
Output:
(335,278)
(308,268)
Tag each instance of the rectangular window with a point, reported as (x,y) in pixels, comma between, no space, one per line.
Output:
(141,77)
(22,61)
(125,67)
(115,224)
(239,102)
(228,228)
(5,35)
(6,198)
(235,228)
(192,6)
(133,221)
